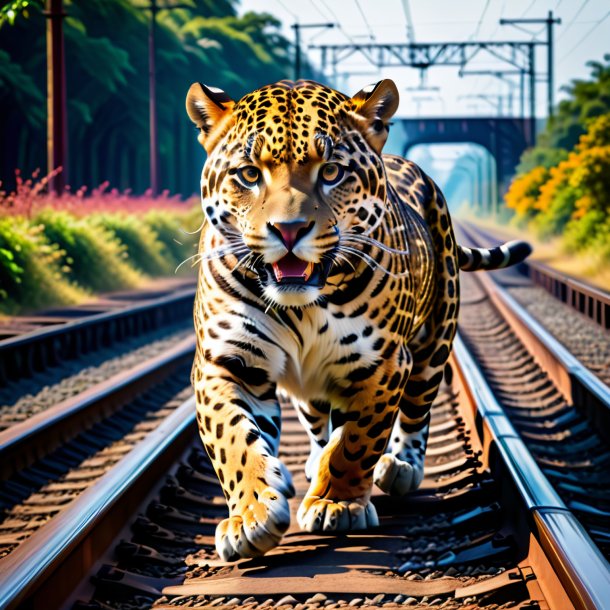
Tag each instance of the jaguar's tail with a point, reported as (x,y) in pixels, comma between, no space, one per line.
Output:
(477,259)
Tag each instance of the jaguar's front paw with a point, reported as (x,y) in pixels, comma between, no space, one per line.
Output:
(396,477)
(258,528)
(322,514)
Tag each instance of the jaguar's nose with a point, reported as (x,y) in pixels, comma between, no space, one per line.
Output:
(290,233)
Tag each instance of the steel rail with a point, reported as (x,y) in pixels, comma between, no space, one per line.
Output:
(27,441)
(57,557)
(46,561)
(574,380)
(579,564)
(589,300)
(577,383)
(96,319)
(24,354)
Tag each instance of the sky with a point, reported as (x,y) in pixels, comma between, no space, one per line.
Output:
(584,34)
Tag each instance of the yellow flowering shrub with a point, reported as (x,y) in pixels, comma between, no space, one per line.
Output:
(524,191)
(571,198)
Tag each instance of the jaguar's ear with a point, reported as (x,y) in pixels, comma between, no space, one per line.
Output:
(210,109)
(375,105)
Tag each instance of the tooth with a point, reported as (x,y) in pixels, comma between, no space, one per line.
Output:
(277,271)
(308,271)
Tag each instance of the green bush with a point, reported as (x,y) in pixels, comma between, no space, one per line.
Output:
(600,246)
(582,233)
(59,258)
(96,258)
(168,230)
(33,273)
(180,233)
(142,245)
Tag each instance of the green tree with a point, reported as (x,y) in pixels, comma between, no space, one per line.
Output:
(587,99)
(106,44)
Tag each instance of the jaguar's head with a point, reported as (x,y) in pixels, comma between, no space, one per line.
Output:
(293,175)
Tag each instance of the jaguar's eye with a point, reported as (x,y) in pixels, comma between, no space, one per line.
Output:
(331,173)
(249,176)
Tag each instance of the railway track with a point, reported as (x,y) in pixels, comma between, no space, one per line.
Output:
(66,421)
(112,503)
(561,410)
(588,300)
(33,345)
(51,459)
(485,530)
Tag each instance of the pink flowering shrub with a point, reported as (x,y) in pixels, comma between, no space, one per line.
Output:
(31,196)
(61,249)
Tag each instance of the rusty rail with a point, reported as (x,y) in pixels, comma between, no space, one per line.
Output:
(23,443)
(55,558)
(483,505)
(589,300)
(26,354)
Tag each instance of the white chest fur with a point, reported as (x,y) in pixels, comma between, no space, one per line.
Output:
(317,358)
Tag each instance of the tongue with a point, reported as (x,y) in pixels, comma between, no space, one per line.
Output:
(289,266)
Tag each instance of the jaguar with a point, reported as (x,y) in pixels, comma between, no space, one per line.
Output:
(330,272)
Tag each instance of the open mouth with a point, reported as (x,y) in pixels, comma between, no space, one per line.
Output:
(291,270)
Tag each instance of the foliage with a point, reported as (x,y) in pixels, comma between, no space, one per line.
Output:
(57,250)
(14,8)
(179,234)
(563,184)
(32,274)
(587,99)
(30,196)
(95,257)
(540,156)
(106,51)
(142,245)
(571,198)
(524,192)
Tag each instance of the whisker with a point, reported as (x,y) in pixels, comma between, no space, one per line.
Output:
(358,237)
(371,261)
(213,254)
(243,261)
(186,260)
(345,260)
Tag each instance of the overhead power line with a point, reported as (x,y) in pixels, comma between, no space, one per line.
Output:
(366,23)
(476,32)
(409,19)
(573,20)
(568,53)
(291,13)
(529,8)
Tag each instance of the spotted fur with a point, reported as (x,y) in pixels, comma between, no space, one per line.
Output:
(295,179)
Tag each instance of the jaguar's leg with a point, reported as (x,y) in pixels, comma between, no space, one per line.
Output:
(338,498)
(314,415)
(240,428)
(402,470)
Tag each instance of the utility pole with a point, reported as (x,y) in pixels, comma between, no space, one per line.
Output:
(297,43)
(152,101)
(409,19)
(154,8)
(550,21)
(532,87)
(57,129)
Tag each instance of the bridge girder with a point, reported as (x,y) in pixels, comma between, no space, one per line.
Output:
(505,138)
